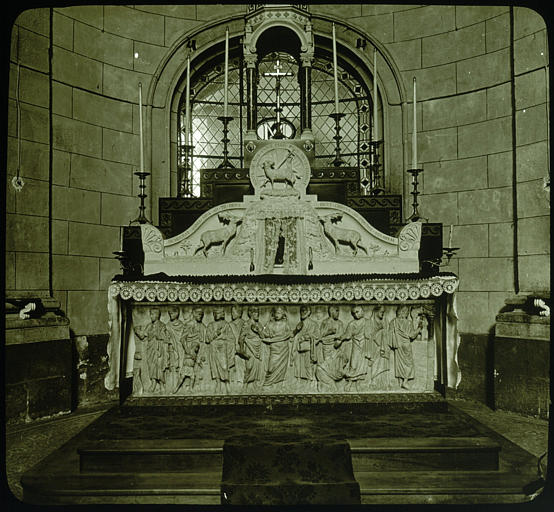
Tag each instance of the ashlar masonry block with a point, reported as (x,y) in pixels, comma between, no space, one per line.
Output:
(470,14)
(381,26)
(493,136)
(437,145)
(455,111)
(36,20)
(439,207)
(424,21)
(34,160)
(77,70)
(175,11)
(34,123)
(455,175)
(120,147)
(33,198)
(527,21)
(532,161)
(9,268)
(499,101)
(433,82)
(206,12)
(75,204)
(486,274)
(31,271)
(33,50)
(497,32)
(26,233)
(473,312)
(534,235)
(119,210)
(532,199)
(534,273)
(60,168)
(530,89)
(59,236)
(62,99)
(134,24)
(102,111)
(33,87)
(109,267)
(63,30)
(484,206)
(93,239)
(76,136)
(148,58)
(74,273)
(531,124)
(501,239)
(123,83)
(452,46)
(100,175)
(483,71)
(176,28)
(103,46)
(530,52)
(473,240)
(89,14)
(500,169)
(407,54)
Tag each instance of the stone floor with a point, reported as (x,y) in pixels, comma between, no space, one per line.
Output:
(27,445)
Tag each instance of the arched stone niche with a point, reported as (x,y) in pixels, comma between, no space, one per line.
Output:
(167,85)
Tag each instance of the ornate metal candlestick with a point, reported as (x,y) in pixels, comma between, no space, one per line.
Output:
(375,182)
(141,219)
(415,216)
(185,173)
(225,164)
(338,161)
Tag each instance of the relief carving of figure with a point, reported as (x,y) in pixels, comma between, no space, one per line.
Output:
(277,334)
(155,335)
(357,364)
(237,368)
(190,345)
(403,331)
(221,341)
(331,331)
(339,235)
(303,355)
(279,172)
(250,346)
(174,356)
(331,371)
(378,348)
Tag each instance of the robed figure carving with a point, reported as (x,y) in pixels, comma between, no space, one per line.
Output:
(155,336)
(250,348)
(221,341)
(355,333)
(277,334)
(303,348)
(403,332)
(174,353)
(331,331)
(237,368)
(378,348)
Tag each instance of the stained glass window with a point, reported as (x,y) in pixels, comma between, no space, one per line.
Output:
(207,105)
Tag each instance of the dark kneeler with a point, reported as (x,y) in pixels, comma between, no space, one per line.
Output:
(288,472)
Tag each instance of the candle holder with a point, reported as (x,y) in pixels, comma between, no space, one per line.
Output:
(449,252)
(376,180)
(338,161)
(415,216)
(225,164)
(184,181)
(141,219)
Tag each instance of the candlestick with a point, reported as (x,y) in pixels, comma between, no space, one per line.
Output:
(225,164)
(188,130)
(335,71)
(140,130)
(226,84)
(414,131)
(375,89)
(450,237)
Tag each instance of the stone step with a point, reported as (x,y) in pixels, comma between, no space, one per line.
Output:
(151,455)
(202,488)
(378,487)
(424,453)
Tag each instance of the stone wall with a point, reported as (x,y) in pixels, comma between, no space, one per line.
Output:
(461,56)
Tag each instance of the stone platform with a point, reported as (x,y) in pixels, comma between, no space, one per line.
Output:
(401,452)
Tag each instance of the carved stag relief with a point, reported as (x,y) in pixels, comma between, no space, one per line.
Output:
(278,349)
(220,236)
(338,235)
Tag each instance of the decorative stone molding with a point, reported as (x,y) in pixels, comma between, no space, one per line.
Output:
(393,291)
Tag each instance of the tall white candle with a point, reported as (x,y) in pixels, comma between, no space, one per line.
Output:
(335,71)
(188,130)
(414,131)
(140,130)
(450,236)
(375,89)
(226,85)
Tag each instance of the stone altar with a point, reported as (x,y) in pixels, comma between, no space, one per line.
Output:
(282,293)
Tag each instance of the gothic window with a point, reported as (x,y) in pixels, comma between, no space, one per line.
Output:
(207,105)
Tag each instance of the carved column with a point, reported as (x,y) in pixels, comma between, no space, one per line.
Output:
(305,80)
(251,95)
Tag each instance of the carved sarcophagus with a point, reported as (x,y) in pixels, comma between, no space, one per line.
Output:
(282,293)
